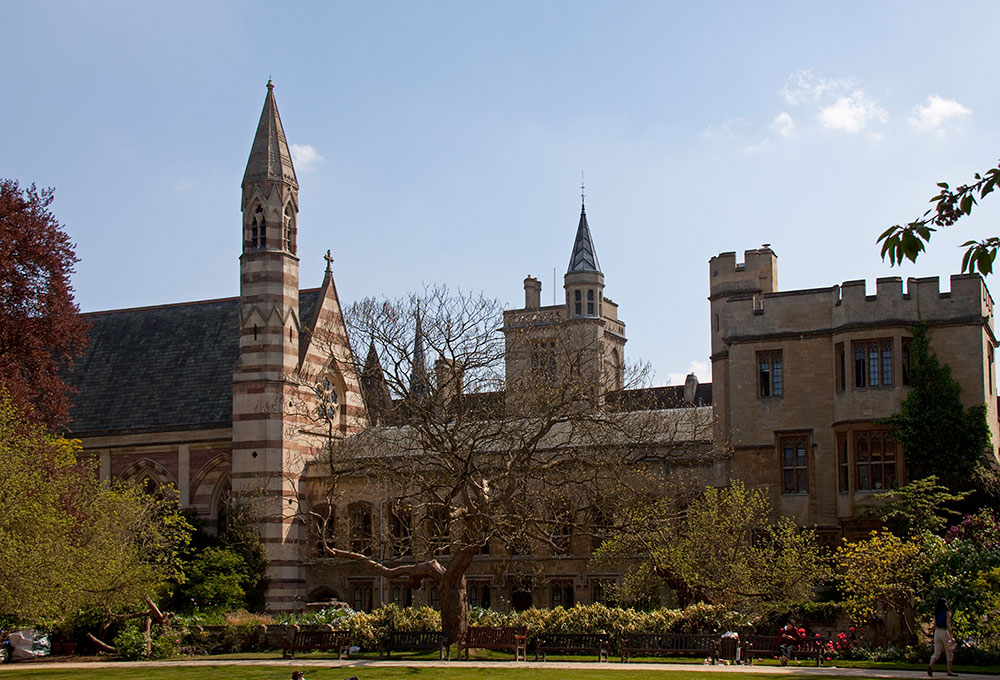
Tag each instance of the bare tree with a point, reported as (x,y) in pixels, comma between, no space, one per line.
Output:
(470,452)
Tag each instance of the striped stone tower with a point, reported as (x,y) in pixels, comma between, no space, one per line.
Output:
(267,460)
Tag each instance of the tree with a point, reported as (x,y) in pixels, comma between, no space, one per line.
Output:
(939,435)
(884,573)
(68,541)
(918,507)
(721,548)
(474,455)
(899,242)
(41,330)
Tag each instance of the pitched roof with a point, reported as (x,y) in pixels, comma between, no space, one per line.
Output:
(584,256)
(270,158)
(161,368)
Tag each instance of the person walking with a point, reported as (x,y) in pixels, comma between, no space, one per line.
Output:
(943,640)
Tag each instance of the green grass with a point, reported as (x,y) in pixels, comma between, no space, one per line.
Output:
(210,672)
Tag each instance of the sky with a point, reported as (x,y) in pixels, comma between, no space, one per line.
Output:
(443,142)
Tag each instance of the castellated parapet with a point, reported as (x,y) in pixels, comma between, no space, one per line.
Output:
(849,305)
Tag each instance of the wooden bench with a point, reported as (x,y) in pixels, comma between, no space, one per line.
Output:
(405,641)
(669,644)
(573,643)
(514,638)
(317,640)
(766,646)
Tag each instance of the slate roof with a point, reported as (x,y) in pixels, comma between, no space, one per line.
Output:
(584,255)
(270,158)
(162,368)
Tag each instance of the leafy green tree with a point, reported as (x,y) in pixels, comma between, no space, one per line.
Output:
(214,580)
(70,542)
(965,570)
(939,435)
(884,573)
(950,205)
(916,508)
(722,549)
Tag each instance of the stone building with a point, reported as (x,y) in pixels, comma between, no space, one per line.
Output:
(214,397)
(802,377)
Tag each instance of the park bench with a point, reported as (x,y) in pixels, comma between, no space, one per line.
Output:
(573,643)
(406,641)
(514,638)
(317,640)
(669,644)
(766,646)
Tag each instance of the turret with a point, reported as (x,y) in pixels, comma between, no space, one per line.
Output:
(584,282)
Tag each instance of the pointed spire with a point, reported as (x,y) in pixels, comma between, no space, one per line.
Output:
(584,256)
(270,159)
(374,388)
(419,383)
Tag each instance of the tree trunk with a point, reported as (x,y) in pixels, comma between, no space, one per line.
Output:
(454,601)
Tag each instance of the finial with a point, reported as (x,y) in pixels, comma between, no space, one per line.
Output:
(329,261)
(270,83)
(583,191)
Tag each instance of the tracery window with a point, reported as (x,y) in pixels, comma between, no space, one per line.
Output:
(288,229)
(771,375)
(794,463)
(258,226)
(875,457)
(362,538)
(873,363)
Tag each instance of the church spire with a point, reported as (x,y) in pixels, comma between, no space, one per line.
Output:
(374,389)
(270,159)
(419,383)
(584,255)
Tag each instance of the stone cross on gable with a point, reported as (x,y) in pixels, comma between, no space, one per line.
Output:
(329,261)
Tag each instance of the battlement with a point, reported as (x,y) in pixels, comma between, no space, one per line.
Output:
(758,273)
(849,304)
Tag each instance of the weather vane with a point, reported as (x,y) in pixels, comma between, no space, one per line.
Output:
(583,193)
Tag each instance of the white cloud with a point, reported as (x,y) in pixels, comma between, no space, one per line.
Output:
(727,130)
(305,157)
(853,113)
(937,115)
(784,125)
(763,146)
(699,368)
(803,87)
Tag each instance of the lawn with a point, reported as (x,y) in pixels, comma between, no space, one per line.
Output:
(211,672)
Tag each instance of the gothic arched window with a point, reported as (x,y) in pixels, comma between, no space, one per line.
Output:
(288,229)
(257,226)
(326,400)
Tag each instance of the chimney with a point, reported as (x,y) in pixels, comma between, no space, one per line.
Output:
(690,387)
(532,293)
(449,378)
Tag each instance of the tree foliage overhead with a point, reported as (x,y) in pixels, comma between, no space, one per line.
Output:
(68,541)
(722,548)
(469,455)
(950,205)
(41,330)
(939,435)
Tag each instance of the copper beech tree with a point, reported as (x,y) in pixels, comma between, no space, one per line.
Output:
(40,327)
(471,454)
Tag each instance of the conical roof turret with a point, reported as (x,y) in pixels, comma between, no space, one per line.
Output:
(270,159)
(584,256)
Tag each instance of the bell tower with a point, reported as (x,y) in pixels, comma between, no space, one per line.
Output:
(267,461)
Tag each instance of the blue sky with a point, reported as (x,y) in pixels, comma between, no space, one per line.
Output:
(442,142)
